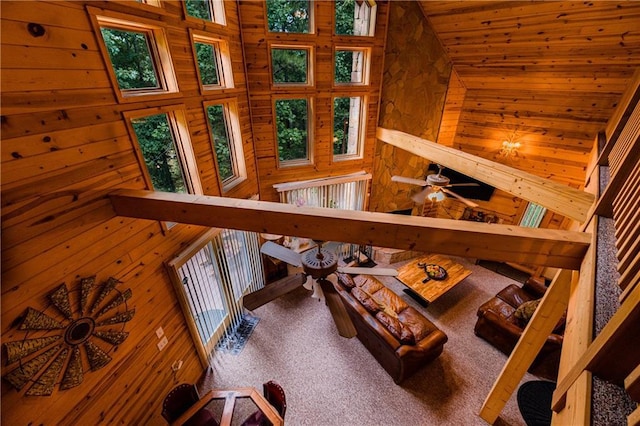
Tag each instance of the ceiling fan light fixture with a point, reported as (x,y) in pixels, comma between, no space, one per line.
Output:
(436,196)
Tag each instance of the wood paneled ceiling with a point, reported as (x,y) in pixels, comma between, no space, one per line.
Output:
(546,74)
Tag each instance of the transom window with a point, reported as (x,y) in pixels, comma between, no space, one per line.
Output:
(164,147)
(227,142)
(289,16)
(351,66)
(291,65)
(139,55)
(356,18)
(213,62)
(348,127)
(292,127)
(533,215)
(209,10)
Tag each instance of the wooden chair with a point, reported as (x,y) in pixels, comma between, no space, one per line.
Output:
(273,393)
(179,400)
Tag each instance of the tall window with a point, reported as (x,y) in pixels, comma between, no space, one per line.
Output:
(348,127)
(209,10)
(289,16)
(292,127)
(213,62)
(138,53)
(210,278)
(227,143)
(165,149)
(357,18)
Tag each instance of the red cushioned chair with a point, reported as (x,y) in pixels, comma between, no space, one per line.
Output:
(273,393)
(179,400)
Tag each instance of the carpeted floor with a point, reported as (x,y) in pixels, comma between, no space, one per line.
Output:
(330,380)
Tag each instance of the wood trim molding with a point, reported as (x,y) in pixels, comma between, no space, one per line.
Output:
(562,249)
(555,196)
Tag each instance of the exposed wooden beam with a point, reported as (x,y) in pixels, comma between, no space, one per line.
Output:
(554,196)
(556,248)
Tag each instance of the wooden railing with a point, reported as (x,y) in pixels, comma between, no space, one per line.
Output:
(614,354)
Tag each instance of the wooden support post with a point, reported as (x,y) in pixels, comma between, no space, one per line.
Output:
(577,337)
(546,316)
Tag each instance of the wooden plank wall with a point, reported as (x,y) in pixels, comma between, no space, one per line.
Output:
(546,75)
(257,41)
(64,147)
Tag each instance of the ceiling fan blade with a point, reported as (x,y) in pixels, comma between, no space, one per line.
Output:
(421,196)
(462,184)
(338,311)
(412,181)
(464,200)
(272,291)
(282,253)
(387,272)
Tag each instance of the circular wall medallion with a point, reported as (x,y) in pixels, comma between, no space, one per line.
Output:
(89,319)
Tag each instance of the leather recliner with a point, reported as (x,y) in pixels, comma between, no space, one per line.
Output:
(499,325)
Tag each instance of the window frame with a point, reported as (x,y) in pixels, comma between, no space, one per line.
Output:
(366,65)
(280,164)
(310,65)
(234,136)
(182,139)
(222,53)
(159,50)
(216,8)
(362,128)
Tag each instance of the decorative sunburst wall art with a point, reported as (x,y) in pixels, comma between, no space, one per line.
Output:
(74,334)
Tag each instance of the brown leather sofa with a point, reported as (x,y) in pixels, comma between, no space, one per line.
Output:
(498,324)
(400,338)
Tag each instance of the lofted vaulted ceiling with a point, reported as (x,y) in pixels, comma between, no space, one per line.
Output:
(545,74)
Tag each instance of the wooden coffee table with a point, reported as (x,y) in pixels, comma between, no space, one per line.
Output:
(426,292)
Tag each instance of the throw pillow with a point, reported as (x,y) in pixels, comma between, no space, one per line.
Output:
(346,280)
(396,328)
(525,311)
(366,300)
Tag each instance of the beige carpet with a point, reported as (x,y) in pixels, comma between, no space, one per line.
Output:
(330,380)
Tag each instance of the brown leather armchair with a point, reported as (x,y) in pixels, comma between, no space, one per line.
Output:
(498,325)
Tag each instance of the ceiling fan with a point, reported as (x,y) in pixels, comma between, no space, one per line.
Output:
(318,264)
(436,186)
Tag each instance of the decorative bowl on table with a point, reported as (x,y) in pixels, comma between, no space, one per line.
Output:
(435,272)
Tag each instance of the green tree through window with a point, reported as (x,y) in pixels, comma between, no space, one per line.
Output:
(158,147)
(199,9)
(288,16)
(207,63)
(220,137)
(289,65)
(131,58)
(291,121)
